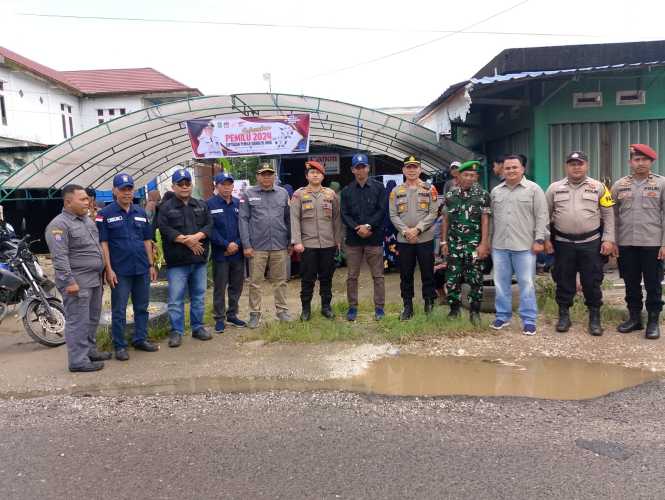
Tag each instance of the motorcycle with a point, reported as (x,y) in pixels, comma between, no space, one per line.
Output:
(23,282)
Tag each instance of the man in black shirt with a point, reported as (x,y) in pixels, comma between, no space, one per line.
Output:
(363,206)
(185,224)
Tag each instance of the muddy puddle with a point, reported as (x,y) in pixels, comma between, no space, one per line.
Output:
(542,378)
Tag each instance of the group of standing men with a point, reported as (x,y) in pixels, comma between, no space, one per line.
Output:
(578,220)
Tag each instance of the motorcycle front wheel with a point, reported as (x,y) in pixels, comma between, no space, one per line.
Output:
(50,333)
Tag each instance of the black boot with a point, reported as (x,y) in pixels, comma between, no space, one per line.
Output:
(653,325)
(474,314)
(563,325)
(407,312)
(429,306)
(595,327)
(326,311)
(633,323)
(454,311)
(306,313)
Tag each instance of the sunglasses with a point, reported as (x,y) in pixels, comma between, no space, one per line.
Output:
(183,183)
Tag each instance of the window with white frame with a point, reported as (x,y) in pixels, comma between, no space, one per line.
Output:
(3,106)
(104,115)
(67,120)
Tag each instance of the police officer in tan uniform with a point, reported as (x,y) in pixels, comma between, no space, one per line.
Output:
(640,220)
(413,210)
(582,234)
(316,229)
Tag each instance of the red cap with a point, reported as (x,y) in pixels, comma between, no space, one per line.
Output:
(643,149)
(315,164)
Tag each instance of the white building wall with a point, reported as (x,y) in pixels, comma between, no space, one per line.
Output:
(35,116)
(90,105)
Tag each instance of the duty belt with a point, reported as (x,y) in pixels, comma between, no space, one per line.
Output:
(576,237)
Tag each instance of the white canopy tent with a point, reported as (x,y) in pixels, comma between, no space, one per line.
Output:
(150,141)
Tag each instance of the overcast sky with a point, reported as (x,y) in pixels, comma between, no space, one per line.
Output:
(330,63)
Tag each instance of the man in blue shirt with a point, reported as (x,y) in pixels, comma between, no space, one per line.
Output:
(228,263)
(126,237)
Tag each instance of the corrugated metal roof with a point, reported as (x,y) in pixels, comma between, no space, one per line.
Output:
(122,81)
(496,79)
(39,69)
(102,81)
(488,80)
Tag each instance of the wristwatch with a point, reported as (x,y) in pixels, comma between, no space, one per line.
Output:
(368,226)
(540,242)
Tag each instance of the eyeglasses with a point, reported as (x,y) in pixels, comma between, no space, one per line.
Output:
(183,183)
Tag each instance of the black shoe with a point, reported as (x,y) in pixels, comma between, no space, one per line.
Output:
(564,324)
(454,311)
(327,312)
(99,355)
(201,334)
(474,314)
(175,339)
(306,313)
(429,306)
(407,311)
(633,323)
(146,346)
(92,367)
(595,327)
(653,325)
(236,321)
(122,355)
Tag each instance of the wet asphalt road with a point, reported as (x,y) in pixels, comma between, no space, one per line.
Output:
(333,445)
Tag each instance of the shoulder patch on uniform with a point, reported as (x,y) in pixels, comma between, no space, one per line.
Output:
(435,193)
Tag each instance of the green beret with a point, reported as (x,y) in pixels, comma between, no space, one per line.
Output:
(473,165)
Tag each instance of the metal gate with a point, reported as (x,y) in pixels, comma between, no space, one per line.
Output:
(606,144)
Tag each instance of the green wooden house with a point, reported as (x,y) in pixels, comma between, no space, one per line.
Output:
(544,102)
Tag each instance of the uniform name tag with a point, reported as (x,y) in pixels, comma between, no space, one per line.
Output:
(255,198)
(217,211)
(114,219)
(141,219)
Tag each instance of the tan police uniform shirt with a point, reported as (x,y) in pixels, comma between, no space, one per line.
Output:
(315,218)
(576,209)
(414,207)
(640,211)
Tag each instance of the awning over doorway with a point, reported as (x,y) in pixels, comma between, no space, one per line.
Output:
(150,141)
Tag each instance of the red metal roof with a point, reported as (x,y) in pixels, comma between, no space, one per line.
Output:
(123,81)
(35,67)
(102,81)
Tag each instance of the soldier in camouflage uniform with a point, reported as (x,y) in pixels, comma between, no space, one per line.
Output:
(465,238)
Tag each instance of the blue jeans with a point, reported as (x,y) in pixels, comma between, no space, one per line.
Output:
(139,288)
(194,277)
(523,265)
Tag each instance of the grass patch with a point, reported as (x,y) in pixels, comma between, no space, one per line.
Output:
(155,334)
(366,328)
(548,309)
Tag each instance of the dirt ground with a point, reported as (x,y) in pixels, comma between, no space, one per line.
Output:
(27,368)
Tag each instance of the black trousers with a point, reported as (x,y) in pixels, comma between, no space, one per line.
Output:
(229,276)
(637,264)
(571,258)
(317,263)
(409,254)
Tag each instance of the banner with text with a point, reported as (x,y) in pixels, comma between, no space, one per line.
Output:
(249,136)
(329,161)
